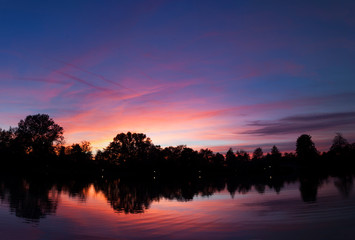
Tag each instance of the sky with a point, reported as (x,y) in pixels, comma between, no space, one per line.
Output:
(207,74)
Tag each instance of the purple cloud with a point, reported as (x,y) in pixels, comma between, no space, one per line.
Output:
(302,123)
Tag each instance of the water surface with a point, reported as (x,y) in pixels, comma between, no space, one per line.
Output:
(302,209)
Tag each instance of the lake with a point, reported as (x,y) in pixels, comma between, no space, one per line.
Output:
(116,209)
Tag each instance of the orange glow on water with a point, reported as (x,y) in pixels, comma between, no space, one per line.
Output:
(219,216)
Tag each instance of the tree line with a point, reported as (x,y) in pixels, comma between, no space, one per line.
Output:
(37,144)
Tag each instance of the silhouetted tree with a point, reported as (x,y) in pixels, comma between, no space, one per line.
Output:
(289,156)
(258,154)
(5,138)
(128,148)
(231,159)
(80,152)
(274,159)
(242,156)
(38,134)
(61,152)
(258,163)
(206,154)
(190,162)
(305,148)
(7,141)
(100,156)
(339,144)
(275,153)
(206,158)
(217,162)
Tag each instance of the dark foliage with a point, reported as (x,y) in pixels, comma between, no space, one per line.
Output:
(38,134)
(305,147)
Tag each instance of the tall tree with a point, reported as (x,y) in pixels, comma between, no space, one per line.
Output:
(275,153)
(339,143)
(5,138)
(7,142)
(305,147)
(258,154)
(231,159)
(128,147)
(38,134)
(80,152)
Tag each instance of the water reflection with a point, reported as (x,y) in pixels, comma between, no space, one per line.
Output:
(344,184)
(309,188)
(30,200)
(35,198)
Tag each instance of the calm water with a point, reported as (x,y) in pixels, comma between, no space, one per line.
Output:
(307,209)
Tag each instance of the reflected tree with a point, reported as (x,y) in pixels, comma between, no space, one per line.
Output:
(344,184)
(29,200)
(309,188)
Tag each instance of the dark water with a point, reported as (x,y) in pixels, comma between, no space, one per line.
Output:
(302,209)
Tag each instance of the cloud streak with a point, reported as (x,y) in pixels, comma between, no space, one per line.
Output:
(302,123)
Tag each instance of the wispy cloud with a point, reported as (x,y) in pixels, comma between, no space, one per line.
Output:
(72,66)
(302,123)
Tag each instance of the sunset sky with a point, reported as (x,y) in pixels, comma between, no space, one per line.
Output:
(214,74)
